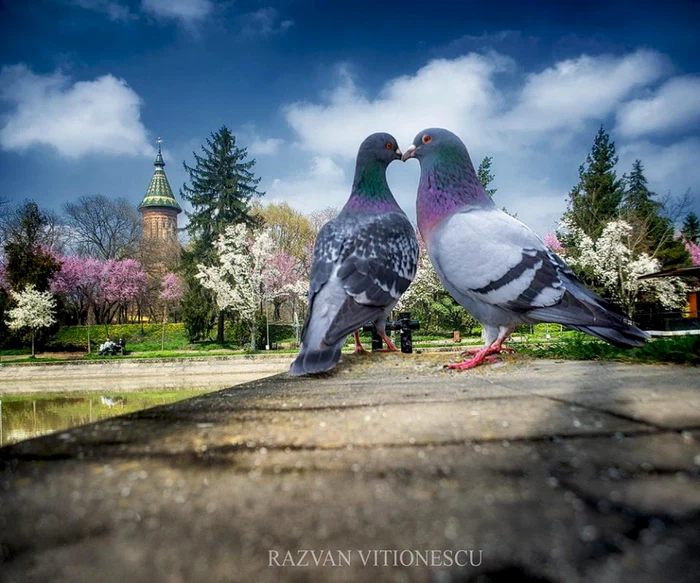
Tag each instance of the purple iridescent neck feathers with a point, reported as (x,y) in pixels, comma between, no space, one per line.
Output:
(448,184)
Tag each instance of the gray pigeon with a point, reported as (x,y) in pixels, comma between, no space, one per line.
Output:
(492,264)
(364,259)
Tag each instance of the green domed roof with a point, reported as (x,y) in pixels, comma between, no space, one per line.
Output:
(159,193)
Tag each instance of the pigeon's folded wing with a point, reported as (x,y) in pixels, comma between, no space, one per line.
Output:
(375,266)
(379,262)
(493,258)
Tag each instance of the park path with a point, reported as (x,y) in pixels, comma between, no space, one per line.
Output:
(554,471)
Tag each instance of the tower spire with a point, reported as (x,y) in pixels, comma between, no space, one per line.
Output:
(159,157)
(159,207)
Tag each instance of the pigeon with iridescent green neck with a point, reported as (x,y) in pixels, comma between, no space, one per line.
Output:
(491,263)
(364,259)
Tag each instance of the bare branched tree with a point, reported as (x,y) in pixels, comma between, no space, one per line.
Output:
(103,227)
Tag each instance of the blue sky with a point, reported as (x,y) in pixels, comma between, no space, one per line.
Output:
(86,87)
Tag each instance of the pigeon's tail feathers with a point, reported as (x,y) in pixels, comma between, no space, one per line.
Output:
(626,336)
(581,309)
(350,317)
(314,361)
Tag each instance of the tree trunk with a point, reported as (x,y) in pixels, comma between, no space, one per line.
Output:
(32,343)
(162,336)
(253,330)
(220,328)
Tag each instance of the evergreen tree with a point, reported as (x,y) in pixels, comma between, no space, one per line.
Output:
(691,228)
(653,230)
(596,198)
(28,262)
(638,198)
(222,185)
(485,176)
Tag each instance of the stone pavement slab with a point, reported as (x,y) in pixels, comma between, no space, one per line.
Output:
(548,471)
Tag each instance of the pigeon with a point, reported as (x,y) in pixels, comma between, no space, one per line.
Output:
(498,269)
(363,261)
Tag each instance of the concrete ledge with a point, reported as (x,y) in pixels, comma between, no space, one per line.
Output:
(555,471)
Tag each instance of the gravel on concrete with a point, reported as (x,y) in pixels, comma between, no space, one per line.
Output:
(547,471)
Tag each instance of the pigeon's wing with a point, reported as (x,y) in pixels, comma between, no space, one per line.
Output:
(492,257)
(327,249)
(376,264)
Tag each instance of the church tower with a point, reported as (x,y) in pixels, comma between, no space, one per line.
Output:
(159,207)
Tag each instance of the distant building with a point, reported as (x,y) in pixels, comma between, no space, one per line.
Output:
(159,207)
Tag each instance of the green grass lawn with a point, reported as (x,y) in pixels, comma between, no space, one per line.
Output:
(144,341)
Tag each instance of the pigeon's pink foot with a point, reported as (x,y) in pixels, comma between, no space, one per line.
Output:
(493,350)
(471,351)
(390,346)
(472,362)
(359,349)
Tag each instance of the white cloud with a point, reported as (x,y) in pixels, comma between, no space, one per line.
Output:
(264,22)
(669,168)
(578,90)
(539,127)
(113,9)
(324,183)
(86,117)
(265,146)
(675,106)
(250,138)
(186,11)
(403,107)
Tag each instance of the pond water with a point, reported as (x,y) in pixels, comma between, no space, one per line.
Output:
(24,417)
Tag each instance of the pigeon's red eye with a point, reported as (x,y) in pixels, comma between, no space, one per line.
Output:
(389,146)
(427,139)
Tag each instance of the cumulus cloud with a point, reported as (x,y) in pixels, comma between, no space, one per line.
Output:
(675,106)
(578,90)
(257,145)
(404,106)
(86,117)
(265,146)
(672,167)
(323,183)
(186,11)
(264,22)
(113,9)
(539,126)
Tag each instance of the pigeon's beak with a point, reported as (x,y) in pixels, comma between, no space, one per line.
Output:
(410,153)
(398,154)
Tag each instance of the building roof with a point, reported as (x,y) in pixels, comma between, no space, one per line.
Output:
(159,193)
(677,272)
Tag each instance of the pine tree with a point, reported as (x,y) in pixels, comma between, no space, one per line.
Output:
(596,198)
(28,262)
(691,228)
(638,198)
(222,185)
(485,176)
(653,230)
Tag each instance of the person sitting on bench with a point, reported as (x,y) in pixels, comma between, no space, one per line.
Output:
(107,347)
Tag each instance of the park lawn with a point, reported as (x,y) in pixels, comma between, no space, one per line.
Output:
(144,341)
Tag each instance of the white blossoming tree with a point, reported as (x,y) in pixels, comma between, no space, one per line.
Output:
(34,310)
(616,268)
(239,279)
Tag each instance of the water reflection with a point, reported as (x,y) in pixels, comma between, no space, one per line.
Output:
(35,415)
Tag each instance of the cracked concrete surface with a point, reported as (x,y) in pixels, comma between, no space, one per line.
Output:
(556,471)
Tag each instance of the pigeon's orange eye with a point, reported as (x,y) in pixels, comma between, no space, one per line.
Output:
(427,139)
(389,146)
